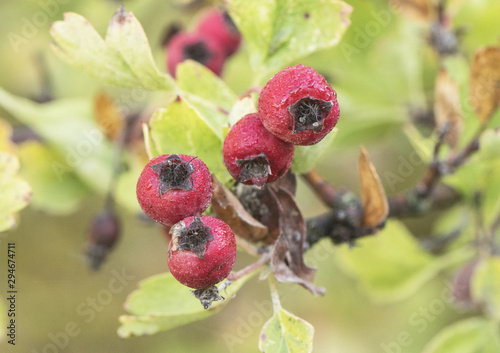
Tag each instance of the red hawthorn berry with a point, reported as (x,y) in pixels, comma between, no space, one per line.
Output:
(218,25)
(202,251)
(174,186)
(298,105)
(203,49)
(253,155)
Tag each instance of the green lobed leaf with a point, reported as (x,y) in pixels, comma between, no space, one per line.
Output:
(161,303)
(179,129)
(467,336)
(15,193)
(481,173)
(393,58)
(69,127)
(125,192)
(206,93)
(52,194)
(491,190)
(278,32)
(485,285)
(490,145)
(286,333)
(124,58)
(306,157)
(241,108)
(195,78)
(255,20)
(391,265)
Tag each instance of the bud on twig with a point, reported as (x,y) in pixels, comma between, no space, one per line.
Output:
(104,232)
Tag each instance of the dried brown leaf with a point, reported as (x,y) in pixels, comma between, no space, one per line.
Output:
(108,116)
(373,199)
(414,9)
(263,206)
(462,284)
(287,259)
(484,85)
(447,108)
(227,207)
(287,182)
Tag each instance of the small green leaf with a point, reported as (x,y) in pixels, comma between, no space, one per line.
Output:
(195,78)
(286,333)
(485,287)
(306,157)
(255,20)
(125,192)
(15,193)
(467,336)
(68,126)
(480,173)
(206,93)
(281,31)
(161,303)
(391,265)
(52,192)
(241,108)
(179,129)
(490,145)
(123,59)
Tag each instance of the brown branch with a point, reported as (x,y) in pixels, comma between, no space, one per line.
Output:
(338,230)
(341,224)
(435,169)
(429,193)
(321,187)
(465,154)
(411,204)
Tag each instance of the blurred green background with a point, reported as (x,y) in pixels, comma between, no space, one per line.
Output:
(390,70)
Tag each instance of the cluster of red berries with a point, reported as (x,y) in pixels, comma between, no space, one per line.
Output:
(296,107)
(214,40)
(175,190)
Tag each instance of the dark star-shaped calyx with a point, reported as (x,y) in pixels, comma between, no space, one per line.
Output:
(255,168)
(194,238)
(174,173)
(309,113)
(197,52)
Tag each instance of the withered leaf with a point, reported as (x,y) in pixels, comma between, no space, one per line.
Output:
(414,9)
(108,116)
(287,260)
(263,206)
(484,85)
(462,284)
(228,208)
(447,108)
(373,199)
(287,182)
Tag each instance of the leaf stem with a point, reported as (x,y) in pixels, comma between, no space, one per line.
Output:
(274,293)
(250,268)
(145,133)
